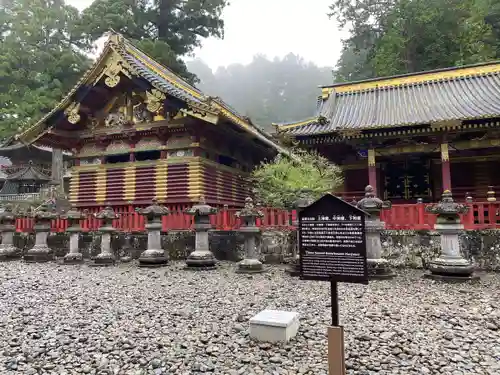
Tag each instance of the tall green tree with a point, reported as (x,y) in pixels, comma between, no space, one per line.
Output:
(164,29)
(40,59)
(402,36)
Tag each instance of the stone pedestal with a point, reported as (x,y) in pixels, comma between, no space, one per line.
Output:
(201,258)
(154,256)
(294,268)
(74,256)
(248,216)
(7,227)
(378,267)
(41,251)
(450,265)
(106,257)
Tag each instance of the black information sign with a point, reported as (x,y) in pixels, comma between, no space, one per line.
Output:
(332,242)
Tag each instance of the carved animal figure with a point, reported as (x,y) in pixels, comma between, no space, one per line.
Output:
(115,119)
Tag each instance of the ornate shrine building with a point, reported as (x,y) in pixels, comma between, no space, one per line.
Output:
(137,131)
(28,172)
(411,136)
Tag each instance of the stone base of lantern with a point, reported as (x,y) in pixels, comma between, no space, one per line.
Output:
(452,269)
(9,252)
(38,254)
(103,260)
(73,258)
(250,266)
(201,260)
(153,258)
(379,269)
(294,268)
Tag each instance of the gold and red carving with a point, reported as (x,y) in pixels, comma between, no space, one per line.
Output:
(148,143)
(90,149)
(180,140)
(118,146)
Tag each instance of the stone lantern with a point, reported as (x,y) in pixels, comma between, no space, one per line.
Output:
(302,202)
(154,256)
(74,217)
(450,265)
(248,216)
(7,227)
(201,257)
(378,268)
(41,251)
(106,257)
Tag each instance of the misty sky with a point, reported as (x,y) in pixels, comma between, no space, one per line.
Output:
(271,27)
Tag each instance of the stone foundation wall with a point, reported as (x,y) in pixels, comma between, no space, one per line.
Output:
(412,249)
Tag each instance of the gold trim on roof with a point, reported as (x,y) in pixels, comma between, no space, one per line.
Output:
(296,124)
(113,61)
(414,79)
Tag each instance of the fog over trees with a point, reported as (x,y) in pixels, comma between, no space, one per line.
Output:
(267,91)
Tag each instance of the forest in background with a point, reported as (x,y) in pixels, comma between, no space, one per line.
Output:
(45,47)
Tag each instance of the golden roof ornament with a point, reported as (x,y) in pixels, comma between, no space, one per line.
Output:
(154,100)
(72,113)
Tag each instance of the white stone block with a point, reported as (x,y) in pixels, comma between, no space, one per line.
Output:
(274,326)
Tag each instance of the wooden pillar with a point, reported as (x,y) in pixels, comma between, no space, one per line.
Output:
(372,170)
(445,167)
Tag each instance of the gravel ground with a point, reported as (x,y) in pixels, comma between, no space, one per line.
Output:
(124,320)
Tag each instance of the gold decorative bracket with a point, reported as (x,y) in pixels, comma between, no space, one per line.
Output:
(115,65)
(154,100)
(72,113)
(445,156)
(371,157)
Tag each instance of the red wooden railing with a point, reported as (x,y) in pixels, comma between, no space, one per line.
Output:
(481,215)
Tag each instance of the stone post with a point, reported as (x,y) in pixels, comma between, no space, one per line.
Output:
(154,256)
(450,265)
(57,169)
(41,251)
(201,258)
(106,257)
(249,215)
(299,205)
(74,256)
(378,267)
(7,227)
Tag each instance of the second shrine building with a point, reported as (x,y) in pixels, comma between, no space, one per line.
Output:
(411,136)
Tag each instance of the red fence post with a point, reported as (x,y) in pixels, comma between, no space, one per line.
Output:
(468,218)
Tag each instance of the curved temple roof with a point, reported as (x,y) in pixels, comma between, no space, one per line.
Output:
(159,77)
(454,94)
